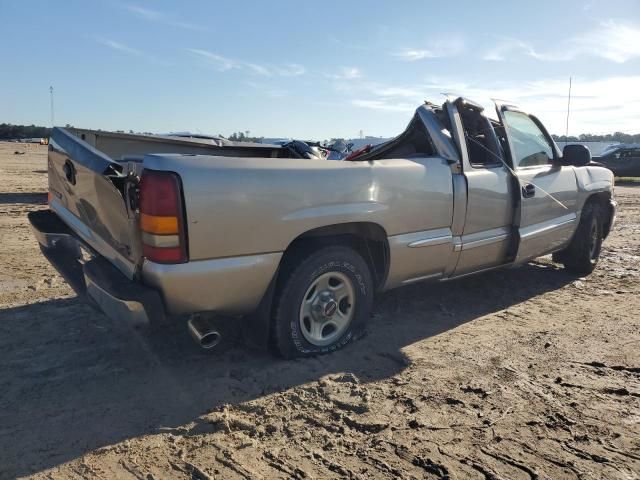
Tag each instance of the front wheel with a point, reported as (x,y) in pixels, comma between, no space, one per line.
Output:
(322,302)
(582,254)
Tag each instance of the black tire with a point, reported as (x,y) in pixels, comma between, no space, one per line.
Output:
(290,330)
(582,254)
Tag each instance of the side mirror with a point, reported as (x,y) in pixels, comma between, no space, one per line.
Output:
(576,155)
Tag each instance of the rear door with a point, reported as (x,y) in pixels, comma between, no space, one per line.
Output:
(546,215)
(88,190)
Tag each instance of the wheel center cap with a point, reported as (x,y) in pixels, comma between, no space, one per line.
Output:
(330,308)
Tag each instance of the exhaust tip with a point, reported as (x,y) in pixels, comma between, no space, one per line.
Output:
(204,336)
(210,340)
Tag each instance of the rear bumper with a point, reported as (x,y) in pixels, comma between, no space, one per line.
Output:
(89,273)
(228,286)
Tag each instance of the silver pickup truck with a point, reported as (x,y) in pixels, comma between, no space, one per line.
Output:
(164,229)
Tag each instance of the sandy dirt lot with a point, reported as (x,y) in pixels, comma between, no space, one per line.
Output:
(516,374)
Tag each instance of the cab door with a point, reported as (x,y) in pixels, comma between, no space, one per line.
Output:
(487,232)
(546,215)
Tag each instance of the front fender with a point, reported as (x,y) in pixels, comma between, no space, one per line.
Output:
(593,180)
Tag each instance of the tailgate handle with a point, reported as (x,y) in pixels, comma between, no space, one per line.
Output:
(70,172)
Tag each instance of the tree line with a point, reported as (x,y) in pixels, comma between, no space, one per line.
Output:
(242,137)
(610,137)
(9,131)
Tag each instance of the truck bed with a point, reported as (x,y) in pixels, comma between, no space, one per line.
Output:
(127,146)
(93,178)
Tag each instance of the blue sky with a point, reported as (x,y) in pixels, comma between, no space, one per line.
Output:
(314,69)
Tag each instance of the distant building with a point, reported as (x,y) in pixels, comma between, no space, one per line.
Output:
(39,140)
(275,140)
(361,142)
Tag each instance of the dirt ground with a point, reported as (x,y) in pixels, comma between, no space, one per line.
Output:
(516,374)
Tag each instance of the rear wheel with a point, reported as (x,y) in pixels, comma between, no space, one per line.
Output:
(322,302)
(582,254)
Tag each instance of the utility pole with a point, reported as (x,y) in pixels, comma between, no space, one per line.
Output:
(51,98)
(566,133)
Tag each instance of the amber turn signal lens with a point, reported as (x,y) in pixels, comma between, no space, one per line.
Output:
(159,225)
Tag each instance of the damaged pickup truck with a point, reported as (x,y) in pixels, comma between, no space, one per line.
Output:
(167,229)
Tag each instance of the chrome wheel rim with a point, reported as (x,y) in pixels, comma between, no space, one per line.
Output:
(327,308)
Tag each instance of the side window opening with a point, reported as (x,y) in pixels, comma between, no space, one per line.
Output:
(483,145)
(502,136)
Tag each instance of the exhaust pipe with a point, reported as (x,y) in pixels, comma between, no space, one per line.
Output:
(206,337)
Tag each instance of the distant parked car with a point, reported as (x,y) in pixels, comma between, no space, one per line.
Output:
(623,160)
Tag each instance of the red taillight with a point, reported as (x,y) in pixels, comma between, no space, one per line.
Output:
(161,217)
(163,255)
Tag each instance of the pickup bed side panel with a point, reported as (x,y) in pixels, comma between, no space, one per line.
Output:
(254,207)
(238,206)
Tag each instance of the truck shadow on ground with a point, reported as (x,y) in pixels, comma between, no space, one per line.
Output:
(73,381)
(35,198)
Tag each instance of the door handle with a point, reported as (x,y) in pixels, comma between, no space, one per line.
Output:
(528,190)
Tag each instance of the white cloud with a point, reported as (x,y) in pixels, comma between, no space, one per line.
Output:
(159,17)
(121,47)
(224,64)
(508,46)
(290,70)
(345,73)
(614,41)
(499,52)
(127,50)
(447,47)
(395,91)
(411,55)
(221,63)
(257,69)
(618,42)
(384,105)
(598,105)
(145,13)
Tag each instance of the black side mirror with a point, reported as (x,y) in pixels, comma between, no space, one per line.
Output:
(576,155)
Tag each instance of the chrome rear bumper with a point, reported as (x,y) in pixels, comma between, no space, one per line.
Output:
(89,273)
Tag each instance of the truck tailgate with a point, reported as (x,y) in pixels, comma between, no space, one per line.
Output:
(88,191)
